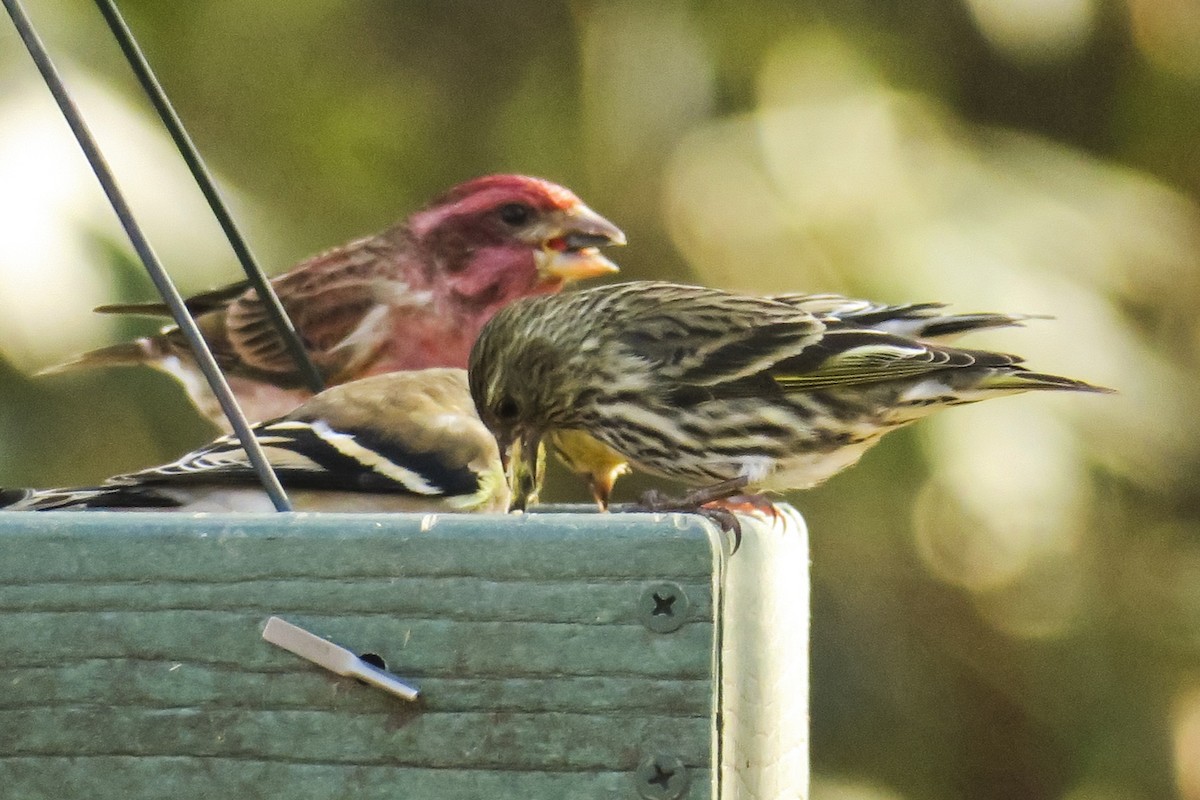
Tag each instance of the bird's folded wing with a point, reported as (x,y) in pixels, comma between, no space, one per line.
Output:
(853,357)
(338,303)
(700,337)
(313,455)
(859,311)
(926,321)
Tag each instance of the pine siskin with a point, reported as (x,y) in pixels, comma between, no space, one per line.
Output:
(411,297)
(714,388)
(406,441)
(601,465)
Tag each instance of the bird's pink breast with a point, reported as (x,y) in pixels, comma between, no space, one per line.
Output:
(437,342)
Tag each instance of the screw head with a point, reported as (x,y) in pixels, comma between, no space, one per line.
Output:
(662,777)
(663,607)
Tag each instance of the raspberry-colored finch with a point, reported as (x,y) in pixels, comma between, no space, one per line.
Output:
(411,297)
(720,390)
(406,441)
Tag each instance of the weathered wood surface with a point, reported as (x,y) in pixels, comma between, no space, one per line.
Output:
(764,663)
(131,663)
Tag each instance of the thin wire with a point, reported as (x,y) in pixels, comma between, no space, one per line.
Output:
(203,178)
(158,275)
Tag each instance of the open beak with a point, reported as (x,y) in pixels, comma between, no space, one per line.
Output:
(571,251)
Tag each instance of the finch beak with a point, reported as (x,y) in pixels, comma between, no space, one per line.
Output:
(505,444)
(524,471)
(570,252)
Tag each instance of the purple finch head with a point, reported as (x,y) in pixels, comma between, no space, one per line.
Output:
(499,237)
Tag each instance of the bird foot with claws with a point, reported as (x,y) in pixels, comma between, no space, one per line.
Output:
(710,502)
(748,504)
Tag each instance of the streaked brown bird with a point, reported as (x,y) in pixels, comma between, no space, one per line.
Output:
(726,392)
(411,297)
(601,466)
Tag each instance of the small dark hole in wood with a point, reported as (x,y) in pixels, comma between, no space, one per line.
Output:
(374,660)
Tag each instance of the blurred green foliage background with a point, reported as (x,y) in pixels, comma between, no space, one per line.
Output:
(1007,597)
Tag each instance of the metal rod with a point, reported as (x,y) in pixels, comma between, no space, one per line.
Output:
(158,275)
(203,178)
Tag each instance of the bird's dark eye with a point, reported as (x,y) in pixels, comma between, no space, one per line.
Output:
(515,213)
(506,409)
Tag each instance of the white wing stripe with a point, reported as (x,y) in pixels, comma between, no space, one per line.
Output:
(346,445)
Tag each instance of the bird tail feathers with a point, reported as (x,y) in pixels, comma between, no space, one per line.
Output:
(1022,380)
(948,327)
(125,354)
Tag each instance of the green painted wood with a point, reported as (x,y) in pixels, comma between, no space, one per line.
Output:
(132,663)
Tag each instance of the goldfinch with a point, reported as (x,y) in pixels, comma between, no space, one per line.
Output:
(405,441)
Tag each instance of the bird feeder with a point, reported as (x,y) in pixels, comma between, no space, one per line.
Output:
(552,655)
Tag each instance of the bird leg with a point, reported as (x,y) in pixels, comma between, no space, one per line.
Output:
(600,494)
(708,501)
(654,500)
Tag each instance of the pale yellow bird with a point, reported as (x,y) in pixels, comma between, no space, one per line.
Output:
(404,441)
